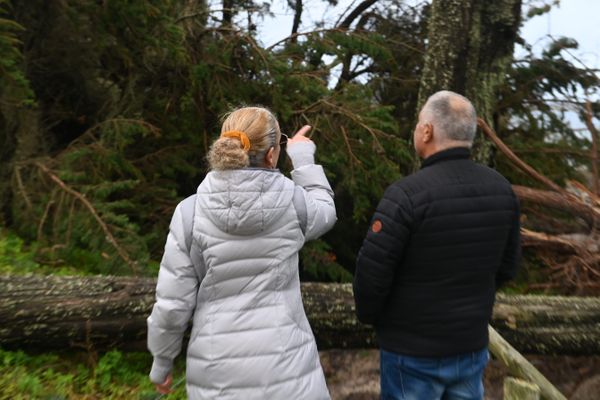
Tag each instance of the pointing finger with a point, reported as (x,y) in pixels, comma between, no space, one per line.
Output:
(303,131)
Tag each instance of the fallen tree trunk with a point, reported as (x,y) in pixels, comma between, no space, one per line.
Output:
(78,312)
(110,312)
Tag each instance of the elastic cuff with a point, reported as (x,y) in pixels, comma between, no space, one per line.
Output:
(160,369)
(302,153)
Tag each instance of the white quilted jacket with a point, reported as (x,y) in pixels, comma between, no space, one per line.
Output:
(250,337)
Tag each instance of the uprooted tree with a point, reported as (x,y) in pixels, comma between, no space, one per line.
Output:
(574,258)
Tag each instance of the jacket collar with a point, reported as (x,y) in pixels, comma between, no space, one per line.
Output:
(454,153)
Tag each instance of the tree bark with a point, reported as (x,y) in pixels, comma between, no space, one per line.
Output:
(549,324)
(85,312)
(545,241)
(470,47)
(297,19)
(110,312)
(227,13)
(559,202)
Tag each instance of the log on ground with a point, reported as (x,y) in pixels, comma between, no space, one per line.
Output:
(49,312)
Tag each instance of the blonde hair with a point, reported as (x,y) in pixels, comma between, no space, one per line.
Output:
(262,129)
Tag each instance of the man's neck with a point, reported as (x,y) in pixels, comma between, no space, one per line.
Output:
(437,147)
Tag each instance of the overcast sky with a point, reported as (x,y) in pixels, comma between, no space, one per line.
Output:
(579,19)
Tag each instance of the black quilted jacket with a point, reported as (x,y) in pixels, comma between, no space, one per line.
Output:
(440,243)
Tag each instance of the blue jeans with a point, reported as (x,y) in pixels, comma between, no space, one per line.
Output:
(420,378)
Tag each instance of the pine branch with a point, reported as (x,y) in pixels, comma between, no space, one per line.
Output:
(522,165)
(19,179)
(89,133)
(594,150)
(356,13)
(295,35)
(347,142)
(568,197)
(569,152)
(109,236)
(45,216)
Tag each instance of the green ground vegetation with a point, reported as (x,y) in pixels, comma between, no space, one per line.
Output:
(83,376)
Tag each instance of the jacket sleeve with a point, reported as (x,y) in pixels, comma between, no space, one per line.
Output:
(318,200)
(381,254)
(512,252)
(317,207)
(176,293)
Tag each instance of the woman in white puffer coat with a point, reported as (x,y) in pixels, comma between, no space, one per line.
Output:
(231,266)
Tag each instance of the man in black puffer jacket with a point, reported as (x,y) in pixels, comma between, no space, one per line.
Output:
(440,244)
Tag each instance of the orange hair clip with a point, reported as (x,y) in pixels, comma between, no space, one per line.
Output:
(238,135)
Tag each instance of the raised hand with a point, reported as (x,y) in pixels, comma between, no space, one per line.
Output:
(300,136)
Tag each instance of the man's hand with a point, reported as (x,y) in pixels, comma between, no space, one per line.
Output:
(300,136)
(165,387)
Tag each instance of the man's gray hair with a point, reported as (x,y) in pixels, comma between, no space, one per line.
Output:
(452,115)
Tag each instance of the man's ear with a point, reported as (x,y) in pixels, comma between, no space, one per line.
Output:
(269,158)
(427,133)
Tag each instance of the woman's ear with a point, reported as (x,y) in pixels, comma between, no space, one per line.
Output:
(269,158)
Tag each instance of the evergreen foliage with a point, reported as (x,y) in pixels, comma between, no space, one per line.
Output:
(14,86)
(533,113)
(107,110)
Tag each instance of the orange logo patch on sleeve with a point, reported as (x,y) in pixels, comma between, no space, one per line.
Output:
(376,227)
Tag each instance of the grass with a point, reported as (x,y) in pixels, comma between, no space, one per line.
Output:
(74,375)
(51,376)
